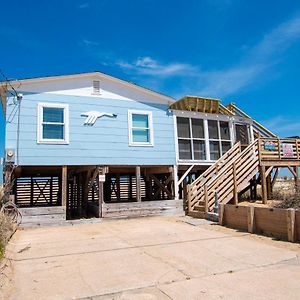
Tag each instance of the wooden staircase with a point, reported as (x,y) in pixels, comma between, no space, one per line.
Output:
(222,181)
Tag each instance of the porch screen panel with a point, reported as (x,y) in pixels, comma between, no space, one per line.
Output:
(242,135)
(184,138)
(219,138)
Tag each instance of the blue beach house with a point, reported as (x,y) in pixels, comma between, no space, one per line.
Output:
(92,145)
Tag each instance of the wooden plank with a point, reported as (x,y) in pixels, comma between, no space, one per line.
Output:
(297,225)
(39,211)
(185,174)
(221,214)
(236,217)
(271,222)
(235,189)
(64,185)
(250,218)
(290,224)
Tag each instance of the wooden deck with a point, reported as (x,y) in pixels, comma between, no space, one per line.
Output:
(240,170)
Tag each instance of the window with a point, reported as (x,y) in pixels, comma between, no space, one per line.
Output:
(96,87)
(140,128)
(53,123)
(191,141)
(219,138)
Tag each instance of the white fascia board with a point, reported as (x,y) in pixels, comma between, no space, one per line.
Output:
(163,98)
(208,116)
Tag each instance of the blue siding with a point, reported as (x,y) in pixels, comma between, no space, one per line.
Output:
(105,143)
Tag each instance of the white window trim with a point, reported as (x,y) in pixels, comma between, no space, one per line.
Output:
(206,139)
(150,121)
(40,139)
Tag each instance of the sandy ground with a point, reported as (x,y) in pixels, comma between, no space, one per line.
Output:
(151,258)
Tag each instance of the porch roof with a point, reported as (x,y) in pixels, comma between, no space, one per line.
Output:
(201,104)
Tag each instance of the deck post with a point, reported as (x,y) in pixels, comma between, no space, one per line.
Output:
(100,192)
(269,186)
(296,177)
(263,184)
(175,181)
(291,224)
(64,185)
(250,218)
(138,183)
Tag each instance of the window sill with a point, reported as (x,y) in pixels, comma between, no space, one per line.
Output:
(141,145)
(53,142)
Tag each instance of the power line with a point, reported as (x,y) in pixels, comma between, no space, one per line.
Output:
(8,82)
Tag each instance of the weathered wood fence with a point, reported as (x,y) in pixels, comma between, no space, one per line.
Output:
(276,222)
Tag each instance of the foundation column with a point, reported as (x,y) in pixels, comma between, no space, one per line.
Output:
(175,182)
(64,186)
(138,183)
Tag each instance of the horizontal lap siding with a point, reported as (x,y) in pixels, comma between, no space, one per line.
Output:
(104,143)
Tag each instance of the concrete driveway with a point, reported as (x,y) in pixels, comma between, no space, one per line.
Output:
(151,258)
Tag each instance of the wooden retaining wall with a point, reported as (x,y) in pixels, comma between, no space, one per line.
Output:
(144,208)
(275,222)
(37,216)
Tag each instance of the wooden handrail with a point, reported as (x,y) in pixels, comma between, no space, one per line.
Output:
(222,159)
(240,165)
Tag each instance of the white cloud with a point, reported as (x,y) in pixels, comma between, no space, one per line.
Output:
(283,126)
(249,69)
(87,42)
(259,59)
(148,66)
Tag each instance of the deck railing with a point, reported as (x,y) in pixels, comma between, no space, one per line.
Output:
(271,149)
(224,180)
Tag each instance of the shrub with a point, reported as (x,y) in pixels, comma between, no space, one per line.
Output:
(288,200)
(6,229)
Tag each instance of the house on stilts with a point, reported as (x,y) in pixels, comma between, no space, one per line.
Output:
(90,145)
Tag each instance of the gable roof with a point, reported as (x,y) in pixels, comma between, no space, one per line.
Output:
(94,74)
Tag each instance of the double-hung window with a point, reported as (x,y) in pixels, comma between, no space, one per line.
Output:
(140,128)
(53,123)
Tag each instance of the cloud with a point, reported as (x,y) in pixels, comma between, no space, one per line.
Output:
(254,63)
(149,66)
(259,58)
(87,42)
(283,126)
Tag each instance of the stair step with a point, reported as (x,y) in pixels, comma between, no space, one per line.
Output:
(199,208)
(197,214)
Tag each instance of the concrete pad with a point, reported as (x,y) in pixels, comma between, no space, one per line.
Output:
(149,258)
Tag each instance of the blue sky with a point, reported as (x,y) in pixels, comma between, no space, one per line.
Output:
(242,51)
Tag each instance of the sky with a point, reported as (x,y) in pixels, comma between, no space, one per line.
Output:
(247,52)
